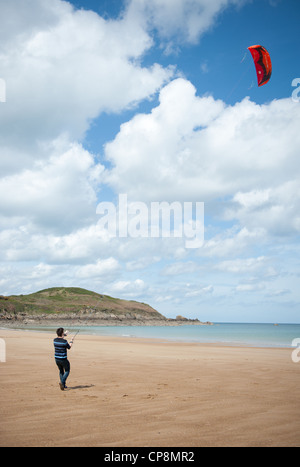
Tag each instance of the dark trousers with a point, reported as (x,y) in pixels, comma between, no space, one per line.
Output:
(64,370)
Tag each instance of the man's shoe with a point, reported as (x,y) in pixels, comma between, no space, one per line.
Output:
(61,386)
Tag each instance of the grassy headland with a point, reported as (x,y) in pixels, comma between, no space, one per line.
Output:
(74,305)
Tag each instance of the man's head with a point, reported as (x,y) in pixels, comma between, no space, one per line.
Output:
(60,332)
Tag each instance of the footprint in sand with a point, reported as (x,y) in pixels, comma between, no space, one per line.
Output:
(151,396)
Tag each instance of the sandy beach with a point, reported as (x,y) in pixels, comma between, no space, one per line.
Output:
(139,393)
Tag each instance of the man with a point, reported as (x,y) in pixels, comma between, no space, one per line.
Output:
(61,347)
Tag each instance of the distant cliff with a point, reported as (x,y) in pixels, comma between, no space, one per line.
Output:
(79,306)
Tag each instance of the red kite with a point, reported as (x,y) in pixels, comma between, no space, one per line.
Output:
(263,63)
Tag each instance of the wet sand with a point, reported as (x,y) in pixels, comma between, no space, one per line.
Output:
(126,392)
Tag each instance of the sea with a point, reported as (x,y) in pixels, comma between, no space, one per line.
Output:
(236,334)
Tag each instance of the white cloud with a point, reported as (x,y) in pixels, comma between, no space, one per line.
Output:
(187,20)
(128,289)
(62,69)
(142,263)
(253,199)
(192,147)
(200,292)
(102,268)
(159,162)
(232,242)
(275,210)
(19,22)
(188,147)
(41,271)
(249,288)
(180,268)
(241,266)
(57,195)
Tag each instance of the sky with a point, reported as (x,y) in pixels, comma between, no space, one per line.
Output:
(156,100)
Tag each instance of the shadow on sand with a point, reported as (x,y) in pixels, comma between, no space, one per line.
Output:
(80,387)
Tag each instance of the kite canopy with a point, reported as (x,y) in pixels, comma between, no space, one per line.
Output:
(263,63)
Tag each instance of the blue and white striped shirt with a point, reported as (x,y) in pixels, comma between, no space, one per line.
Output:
(61,346)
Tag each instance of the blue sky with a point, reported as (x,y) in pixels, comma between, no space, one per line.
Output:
(213,64)
(157,100)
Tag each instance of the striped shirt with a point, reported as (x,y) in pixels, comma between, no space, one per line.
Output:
(61,346)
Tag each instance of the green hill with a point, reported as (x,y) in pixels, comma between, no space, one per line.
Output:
(72,303)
